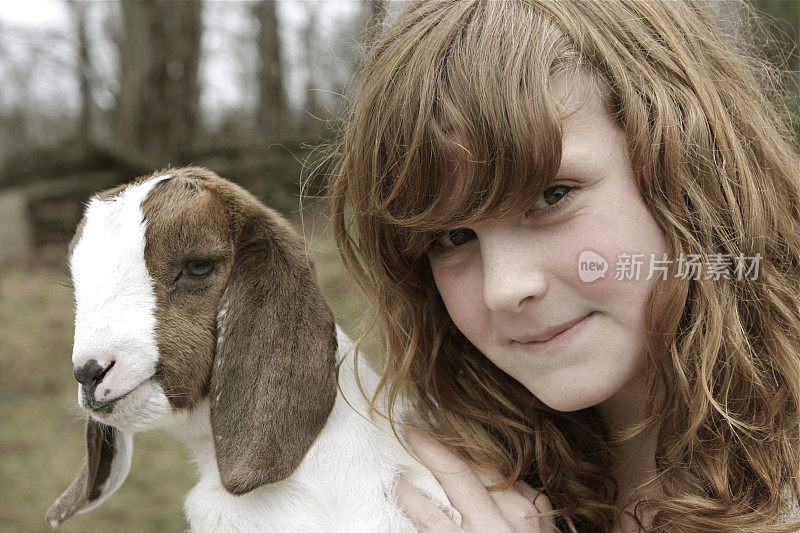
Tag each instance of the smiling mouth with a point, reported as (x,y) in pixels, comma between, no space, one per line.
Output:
(533,342)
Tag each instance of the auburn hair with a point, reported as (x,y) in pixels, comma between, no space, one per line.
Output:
(468,83)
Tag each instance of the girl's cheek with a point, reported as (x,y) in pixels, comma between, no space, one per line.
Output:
(459,285)
(612,264)
(589,250)
(602,257)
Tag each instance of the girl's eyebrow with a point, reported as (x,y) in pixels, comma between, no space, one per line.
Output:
(578,162)
(575,165)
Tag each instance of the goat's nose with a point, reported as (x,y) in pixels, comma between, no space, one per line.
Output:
(91,373)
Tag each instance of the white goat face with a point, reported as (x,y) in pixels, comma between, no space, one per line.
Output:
(115,353)
(185,282)
(150,263)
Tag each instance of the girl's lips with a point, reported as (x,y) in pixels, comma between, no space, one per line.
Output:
(554,334)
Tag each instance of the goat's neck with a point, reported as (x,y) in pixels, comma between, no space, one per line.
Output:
(193,429)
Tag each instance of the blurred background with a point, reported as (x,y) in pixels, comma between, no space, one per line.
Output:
(95,93)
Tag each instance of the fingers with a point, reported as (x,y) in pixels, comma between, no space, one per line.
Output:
(513,509)
(463,487)
(541,502)
(421,511)
(520,504)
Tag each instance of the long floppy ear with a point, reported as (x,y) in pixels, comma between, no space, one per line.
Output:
(274,379)
(108,461)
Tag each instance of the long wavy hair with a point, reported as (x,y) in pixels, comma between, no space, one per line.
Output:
(469,83)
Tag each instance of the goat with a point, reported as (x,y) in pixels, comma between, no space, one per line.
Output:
(198,312)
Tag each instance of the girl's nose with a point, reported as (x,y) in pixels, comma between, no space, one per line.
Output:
(511,273)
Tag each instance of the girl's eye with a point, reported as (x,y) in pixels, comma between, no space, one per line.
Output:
(450,239)
(553,198)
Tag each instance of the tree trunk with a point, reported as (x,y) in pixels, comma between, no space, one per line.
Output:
(158,112)
(272,101)
(78,11)
(313,91)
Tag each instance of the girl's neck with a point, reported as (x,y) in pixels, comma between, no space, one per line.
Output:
(633,460)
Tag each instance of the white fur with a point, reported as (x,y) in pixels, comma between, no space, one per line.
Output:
(345,483)
(114,298)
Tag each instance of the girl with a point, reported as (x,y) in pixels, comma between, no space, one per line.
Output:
(579,226)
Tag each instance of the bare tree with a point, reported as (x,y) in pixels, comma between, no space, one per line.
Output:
(78,12)
(309,37)
(158,111)
(37,69)
(272,100)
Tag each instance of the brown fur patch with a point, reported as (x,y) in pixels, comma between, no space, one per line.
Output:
(272,375)
(185,224)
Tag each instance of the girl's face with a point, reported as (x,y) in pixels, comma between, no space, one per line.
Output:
(509,286)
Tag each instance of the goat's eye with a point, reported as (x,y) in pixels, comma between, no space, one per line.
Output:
(197,269)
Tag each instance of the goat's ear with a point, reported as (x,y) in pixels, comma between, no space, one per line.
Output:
(108,460)
(273,384)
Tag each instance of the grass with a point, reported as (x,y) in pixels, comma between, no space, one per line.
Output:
(41,429)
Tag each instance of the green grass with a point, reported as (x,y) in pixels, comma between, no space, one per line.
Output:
(41,430)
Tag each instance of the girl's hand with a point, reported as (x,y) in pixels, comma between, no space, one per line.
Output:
(497,511)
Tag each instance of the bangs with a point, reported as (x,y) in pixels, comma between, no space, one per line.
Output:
(466,126)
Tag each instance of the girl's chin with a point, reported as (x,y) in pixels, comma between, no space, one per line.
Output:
(569,396)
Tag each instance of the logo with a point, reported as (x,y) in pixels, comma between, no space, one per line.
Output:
(591,266)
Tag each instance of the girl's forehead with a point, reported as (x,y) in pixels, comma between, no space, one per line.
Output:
(502,184)
(588,131)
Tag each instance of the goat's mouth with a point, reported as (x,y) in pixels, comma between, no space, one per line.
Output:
(104,407)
